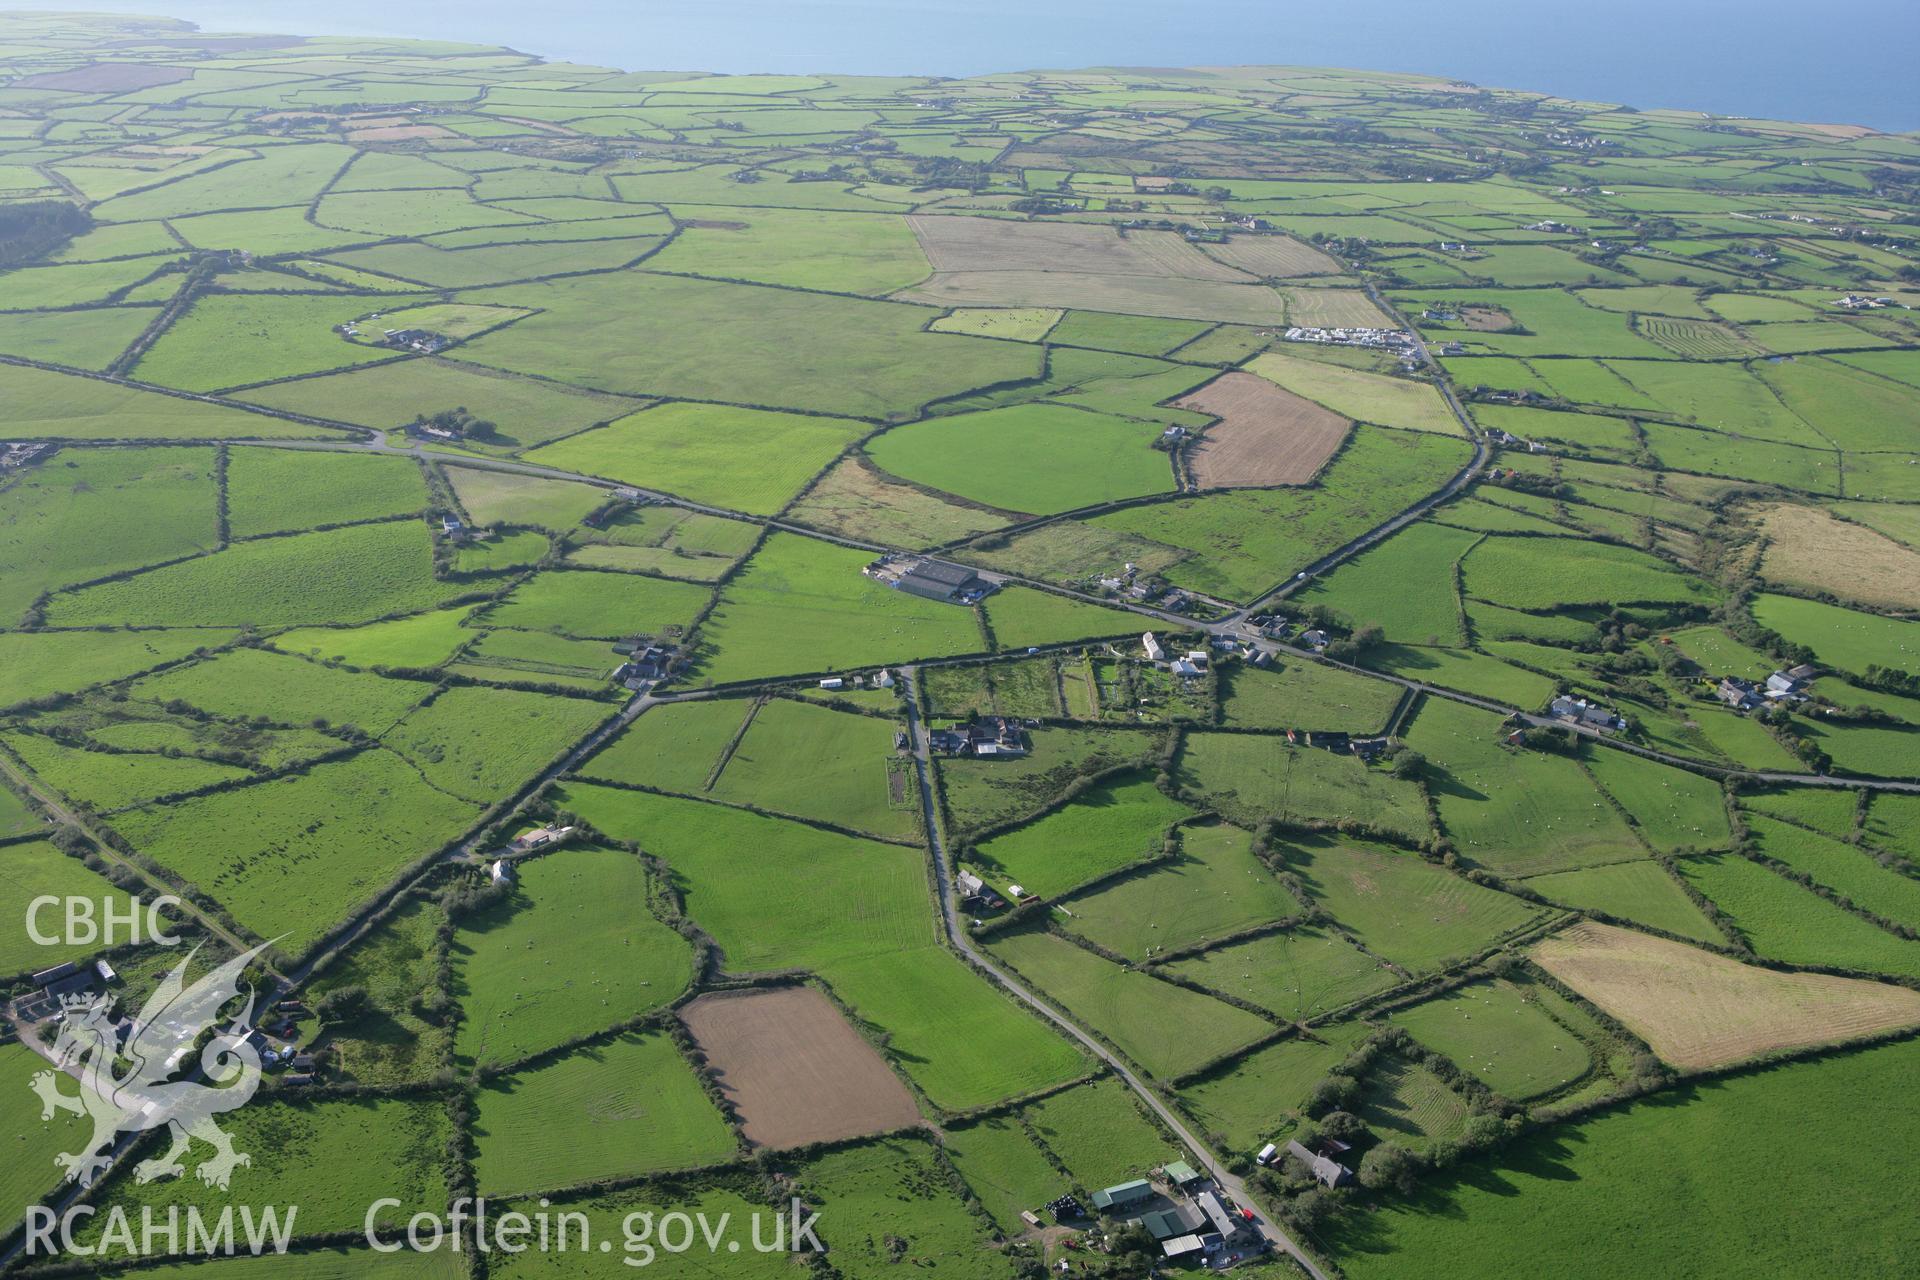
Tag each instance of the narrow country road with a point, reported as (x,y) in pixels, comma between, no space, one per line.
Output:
(957,935)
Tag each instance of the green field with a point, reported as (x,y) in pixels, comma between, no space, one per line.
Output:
(871,1228)
(332,1158)
(353,574)
(1783,921)
(1641,892)
(64,521)
(1250,777)
(1366,397)
(1513,810)
(1583,1201)
(772,894)
(1099,1133)
(673,747)
(1302,973)
(234,340)
(1004,1168)
(1411,912)
(276,490)
(34,664)
(293,855)
(247,682)
(1499,1033)
(608,1110)
(1845,638)
(620,960)
(423,640)
(1168,1030)
(964,1043)
(846,778)
(1101,831)
(35,869)
(1531,573)
(1406,586)
(482,743)
(1243,1107)
(1298,694)
(1062,457)
(1890,893)
(983,792)
(800,606)
(601,606)
(397,1039)
(1215,888)
(746,459)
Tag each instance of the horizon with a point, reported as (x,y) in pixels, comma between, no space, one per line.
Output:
(1780,62)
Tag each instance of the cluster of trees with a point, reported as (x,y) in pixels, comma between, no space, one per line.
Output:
(459,421)
(38,227)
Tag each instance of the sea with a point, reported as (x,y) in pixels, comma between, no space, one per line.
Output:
(1779,59)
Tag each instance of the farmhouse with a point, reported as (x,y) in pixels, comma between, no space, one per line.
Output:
(1581,712)
(417,340)
(975,890)
(1219,1219)
(19,455)
(500,872)
(1328,1171)
(1737,693)
(988,737)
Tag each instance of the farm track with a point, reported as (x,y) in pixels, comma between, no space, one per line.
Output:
(950,920)
(67,817)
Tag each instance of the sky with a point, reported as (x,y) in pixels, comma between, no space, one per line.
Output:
(1787,59)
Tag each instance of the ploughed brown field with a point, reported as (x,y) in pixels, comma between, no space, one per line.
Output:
(1698,1010)
(105,77)
(794,1069)
(1266,434)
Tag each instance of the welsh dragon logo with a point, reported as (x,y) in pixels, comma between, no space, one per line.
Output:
(128,1089)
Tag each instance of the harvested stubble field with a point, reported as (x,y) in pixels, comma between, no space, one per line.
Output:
(1264,435)
(1698,1010)
(794,1069)
(1274,257)
(1808,548)
(991,244)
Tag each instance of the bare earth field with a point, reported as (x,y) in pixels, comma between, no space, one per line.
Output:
(1698,1010)
(105,77)
(794,1069)
(1485,319)
(1809,548)
(1266,434)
